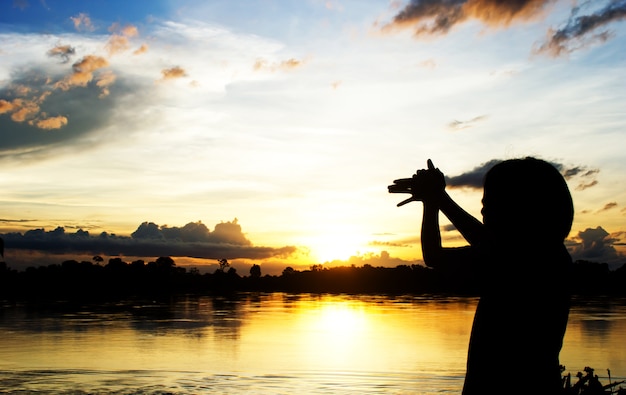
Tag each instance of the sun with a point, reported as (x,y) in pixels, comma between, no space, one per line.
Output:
(335,246)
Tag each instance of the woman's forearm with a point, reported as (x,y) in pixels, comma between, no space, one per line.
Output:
(431,236)
(470,228)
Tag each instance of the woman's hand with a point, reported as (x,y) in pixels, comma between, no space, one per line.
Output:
(427,185)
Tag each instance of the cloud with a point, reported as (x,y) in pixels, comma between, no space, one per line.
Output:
(582,186)
(140,50)
(119,40)
(290,64)
(580,30)
(22,110)
(32,88)
(21,90)
(149,240)
(173,73)
(377,243)
(382,259)
(52,122)
(87,90)
(578,170)
(449,228)
(475,177)
(503,13)
(284,65)
(127,31)
(459,125)
(225,232)
(16,221)
(22,120)
(105,80)
(432,17)
(83,72)
(39,87)
(90,68)
(6,106)
(596,245)
(117,44)
(586,177)
(82,22)
(64,52)
(608,206)
(427,64)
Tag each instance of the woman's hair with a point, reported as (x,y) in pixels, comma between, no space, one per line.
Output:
(528,195)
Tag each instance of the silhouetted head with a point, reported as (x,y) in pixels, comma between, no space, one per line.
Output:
(527,197)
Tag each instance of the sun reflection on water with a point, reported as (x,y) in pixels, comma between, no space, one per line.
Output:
(341,319)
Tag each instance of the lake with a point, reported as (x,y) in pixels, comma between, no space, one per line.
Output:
(273,343)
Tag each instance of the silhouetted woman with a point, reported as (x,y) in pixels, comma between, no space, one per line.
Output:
(518,260)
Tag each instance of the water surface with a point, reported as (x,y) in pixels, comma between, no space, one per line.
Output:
(270,344)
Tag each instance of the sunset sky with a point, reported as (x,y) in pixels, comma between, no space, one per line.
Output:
(267,131)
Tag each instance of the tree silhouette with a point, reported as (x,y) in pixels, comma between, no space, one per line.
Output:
(165,263)
(223,264)
(255,271)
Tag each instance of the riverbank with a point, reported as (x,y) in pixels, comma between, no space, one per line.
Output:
(73,279)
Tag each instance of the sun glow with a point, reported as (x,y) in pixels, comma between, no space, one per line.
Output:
(336,246)
(337,329)
(341,319)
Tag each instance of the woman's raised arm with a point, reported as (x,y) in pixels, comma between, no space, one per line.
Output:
(428,186)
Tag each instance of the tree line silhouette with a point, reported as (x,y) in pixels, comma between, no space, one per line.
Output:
(118,278)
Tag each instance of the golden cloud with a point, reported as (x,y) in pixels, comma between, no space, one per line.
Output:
(439,16)
(6,106)
(83,72)
(43,97)
(289,64)
(62,51)
(503,13)
(140,50)
(21,90)
(117,44)
(82,22)
(259,64)
(90,63)
(28,110)
(24,109)
(105,80)
(51,123)
(173,73)
(130,31)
